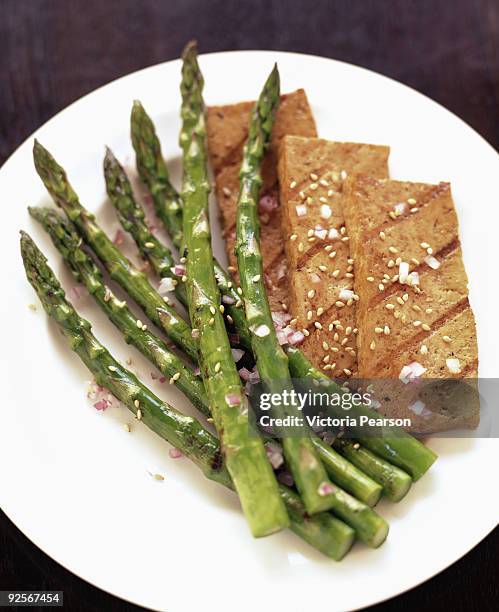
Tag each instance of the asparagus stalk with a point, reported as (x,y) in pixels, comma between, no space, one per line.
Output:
(308,471)
(152,171)
(134,282)
(395,445)
(324,532)
(245,455)
(83,268)
(132,219)
(395,482)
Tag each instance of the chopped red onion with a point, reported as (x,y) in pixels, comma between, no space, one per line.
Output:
(195,333)
(234,338)
(280,318)
(326,211)
(268,203)
(274,453)
(453,365)
(281,270)
(102,404)
(178,270)
(245,374)
(237,354)
(413,279)
(315,278)
(301,210)
(175,453)
(282,336)
(233,399)
(409,372)
(432,262)
(296,338)
(403,272)
(400,208)
(419,408)
(118,237)
(228,299)
(166,285)
(333,233)
(285,478)
(325,488)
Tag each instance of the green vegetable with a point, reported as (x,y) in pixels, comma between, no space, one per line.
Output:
(395,482)
(324,532)
(245,455)
(308,471)
(134,282)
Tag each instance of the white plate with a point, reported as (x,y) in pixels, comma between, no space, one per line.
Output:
(76,483)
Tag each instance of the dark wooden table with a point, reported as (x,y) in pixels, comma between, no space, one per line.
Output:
(54,51)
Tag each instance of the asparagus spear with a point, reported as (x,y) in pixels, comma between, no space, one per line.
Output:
(245,455)
(395,445)
(132,218)
(308,471)
(395,482)
(120,269)
(83,268)
(152,171)
(324,532)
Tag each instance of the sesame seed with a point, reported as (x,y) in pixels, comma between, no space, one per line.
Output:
(293,237)
(382,235)
(230,319)
(330,192)
(211,321)
(320,311)
(400,300)
(139,415)
(222,308)
(416,308)
(112,368)
(381,287)
(347,371)
(239,290)
(370,279)
(318,325)
(256,278)
(447,339)
(324,183)
(411,201)
(226,191)
(311,293)
(405,297)
(313,176)
(372,346)
(386,330)
(415,261)
(392,249)
(414,209)
(305,332)
(126,427)
(239,303)
(335,274)
(328,248)
(339,304)
(378,330)
(343,175)
(391,263)
(332,255)
(389,306)
(424,245)
(138,322)
(217,367)
(426,327)
(416,323)
(429,310)
(424,349)
(302,195)
(301,247)
(310,314)
(292,185)
(323,268)
(429,250)
(149,245)
(313,186)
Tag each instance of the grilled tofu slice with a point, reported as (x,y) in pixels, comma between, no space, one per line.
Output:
(413,310)
(321,291)
(227,128)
